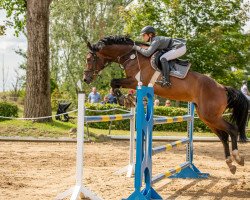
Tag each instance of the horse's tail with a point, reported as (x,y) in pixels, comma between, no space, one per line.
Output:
(239,105)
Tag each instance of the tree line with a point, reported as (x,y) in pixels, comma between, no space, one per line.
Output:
(57,32)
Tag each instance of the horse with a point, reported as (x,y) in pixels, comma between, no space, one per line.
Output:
(211,99)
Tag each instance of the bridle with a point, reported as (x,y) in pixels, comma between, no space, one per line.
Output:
(124,55)
(94,61)
(118,59)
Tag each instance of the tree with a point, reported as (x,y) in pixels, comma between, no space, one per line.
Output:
(17,85)
(213,30)
(73,23)
(2,29)
(37,101)
(34,15)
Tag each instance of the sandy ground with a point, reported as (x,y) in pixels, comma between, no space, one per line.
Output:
(32,171)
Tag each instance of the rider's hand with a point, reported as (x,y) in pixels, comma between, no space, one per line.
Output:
(137,48)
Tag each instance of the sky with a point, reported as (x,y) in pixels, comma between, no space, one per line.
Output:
(10,61)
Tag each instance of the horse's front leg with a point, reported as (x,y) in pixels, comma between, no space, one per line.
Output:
(124,83)
(124,100)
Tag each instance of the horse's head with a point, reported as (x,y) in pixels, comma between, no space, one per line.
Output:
(108,49)
(95,63)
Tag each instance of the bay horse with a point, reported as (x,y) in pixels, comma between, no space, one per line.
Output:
(211,99)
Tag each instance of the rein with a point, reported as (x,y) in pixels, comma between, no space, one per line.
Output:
(118,59)
(139,65)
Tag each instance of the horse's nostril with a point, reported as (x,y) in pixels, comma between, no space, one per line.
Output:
(85,80)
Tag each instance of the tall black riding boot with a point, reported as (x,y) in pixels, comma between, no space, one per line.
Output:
(165,73)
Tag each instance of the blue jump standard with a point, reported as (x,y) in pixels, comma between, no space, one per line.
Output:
(191,172)
(143,166)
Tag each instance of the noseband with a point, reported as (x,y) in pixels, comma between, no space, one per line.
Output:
(95,70)
(94,61)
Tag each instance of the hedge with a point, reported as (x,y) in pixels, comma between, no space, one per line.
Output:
(159,110)
(8,109)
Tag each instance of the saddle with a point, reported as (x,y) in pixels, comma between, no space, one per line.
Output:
(178,68)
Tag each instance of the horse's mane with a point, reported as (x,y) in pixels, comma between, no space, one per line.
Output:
(117,39)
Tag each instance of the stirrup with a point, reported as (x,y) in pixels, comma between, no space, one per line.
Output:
(164,83)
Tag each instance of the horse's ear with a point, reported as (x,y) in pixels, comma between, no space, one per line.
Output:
(89,46)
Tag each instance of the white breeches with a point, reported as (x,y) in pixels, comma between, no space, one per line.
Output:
(175,53)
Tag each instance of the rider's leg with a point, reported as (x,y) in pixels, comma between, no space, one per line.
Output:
(170,55)
(174,53)
(165,72)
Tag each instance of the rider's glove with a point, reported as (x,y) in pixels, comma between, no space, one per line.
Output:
(137,48)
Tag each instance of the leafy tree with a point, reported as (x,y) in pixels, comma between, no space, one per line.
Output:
(2,30)
(32,16)
(213,29)
(15,13)
(73,23)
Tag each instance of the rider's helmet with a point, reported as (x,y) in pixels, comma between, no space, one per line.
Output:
(244,82)
(148,29)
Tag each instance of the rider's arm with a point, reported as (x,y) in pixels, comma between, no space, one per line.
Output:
(150,50)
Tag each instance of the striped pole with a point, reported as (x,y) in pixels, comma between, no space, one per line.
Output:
(169,120)
(107,118)
(169,146)
(170,172)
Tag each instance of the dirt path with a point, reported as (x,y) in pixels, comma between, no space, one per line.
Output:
(32,171)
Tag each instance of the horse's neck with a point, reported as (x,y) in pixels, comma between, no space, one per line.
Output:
(117,51)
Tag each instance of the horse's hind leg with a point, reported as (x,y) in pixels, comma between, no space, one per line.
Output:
(233,132)
(224,126)
(214,124)
(223,136)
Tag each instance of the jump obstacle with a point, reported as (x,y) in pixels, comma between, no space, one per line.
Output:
(185,170)
(165,120)
(144,151)
(79,189)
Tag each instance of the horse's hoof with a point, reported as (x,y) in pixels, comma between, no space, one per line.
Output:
(233,169)
(242,161)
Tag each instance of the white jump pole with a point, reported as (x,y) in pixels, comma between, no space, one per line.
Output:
(131,165)
(79,189)
(129,169)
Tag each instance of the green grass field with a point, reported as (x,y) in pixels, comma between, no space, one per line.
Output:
(58,129)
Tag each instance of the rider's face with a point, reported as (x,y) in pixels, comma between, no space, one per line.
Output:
(145,37)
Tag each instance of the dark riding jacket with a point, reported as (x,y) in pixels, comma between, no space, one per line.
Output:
(158,42)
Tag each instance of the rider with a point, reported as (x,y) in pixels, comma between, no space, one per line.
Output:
(174,47)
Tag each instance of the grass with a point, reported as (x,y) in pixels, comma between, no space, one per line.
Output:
(28,128)
(56,129)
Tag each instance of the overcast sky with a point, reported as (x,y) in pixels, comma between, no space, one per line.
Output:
(8,58)
(11,61)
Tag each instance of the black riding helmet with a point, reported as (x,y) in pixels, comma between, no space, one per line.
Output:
(147,30)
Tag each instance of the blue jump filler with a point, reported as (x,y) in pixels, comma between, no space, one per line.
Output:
(144,127)
(143,166)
